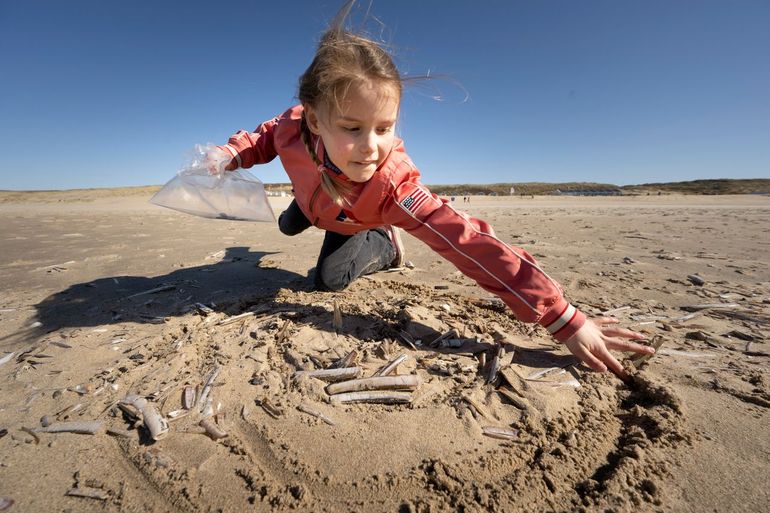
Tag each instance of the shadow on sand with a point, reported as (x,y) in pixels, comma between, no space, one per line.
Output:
(239,281)
(238,275)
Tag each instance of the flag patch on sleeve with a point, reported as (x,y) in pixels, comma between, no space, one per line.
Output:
(415,200)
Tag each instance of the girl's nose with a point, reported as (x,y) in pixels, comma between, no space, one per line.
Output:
(369,143)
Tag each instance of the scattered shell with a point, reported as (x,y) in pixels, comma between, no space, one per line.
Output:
(446,335)
(207,388)
(655,343)
(283,334)
(347,361)
(162,288)
(177,414)
(337,321)
(6,358)
(89,493)
(714,306)
(391,366)
(83,428)
(407,339)
(500,433)
(476,406)
(375,396)
(310,411)
(188,397)
(405,382)
(331,375)
(269,408)
(539,374)
(689,354)
(82,389)
(518,402)
(235,318)
(212,429)
(155,423)
(494,365)
(741,335)
(614,311)
(513,378)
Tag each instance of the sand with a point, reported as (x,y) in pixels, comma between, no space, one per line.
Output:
(112,296)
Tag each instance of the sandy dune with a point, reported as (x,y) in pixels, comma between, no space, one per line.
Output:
(112,296)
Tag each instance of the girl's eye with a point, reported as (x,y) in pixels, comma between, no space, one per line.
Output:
(350,129)
(383,130)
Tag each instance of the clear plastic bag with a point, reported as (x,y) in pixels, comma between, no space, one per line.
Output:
(203,188)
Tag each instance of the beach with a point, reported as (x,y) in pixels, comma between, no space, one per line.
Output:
(107,298)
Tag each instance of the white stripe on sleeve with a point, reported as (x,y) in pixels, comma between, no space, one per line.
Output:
(562,320)
(234,154)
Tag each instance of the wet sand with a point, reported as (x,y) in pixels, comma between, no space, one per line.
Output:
(113,296)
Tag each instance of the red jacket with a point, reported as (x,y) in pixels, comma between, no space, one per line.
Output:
(395,196)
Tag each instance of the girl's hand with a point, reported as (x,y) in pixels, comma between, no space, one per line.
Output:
(592,342)
(219,161)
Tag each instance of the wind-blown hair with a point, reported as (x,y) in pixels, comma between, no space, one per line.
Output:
(343,59)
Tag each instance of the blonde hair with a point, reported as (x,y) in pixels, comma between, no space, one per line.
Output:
(342,60)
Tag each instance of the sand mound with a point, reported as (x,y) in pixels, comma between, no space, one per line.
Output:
(596,445)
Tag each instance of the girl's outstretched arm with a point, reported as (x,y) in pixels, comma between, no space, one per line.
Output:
(592,342)
(509,272)
(250,148)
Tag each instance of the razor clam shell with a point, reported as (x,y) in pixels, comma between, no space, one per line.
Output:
(188,397)
(214,431)
(373,396)
(80,427)
(500,433)
(331,375)
(405,382)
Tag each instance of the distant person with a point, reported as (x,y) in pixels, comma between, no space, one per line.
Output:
(352,178)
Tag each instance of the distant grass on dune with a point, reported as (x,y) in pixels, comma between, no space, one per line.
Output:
(708,187)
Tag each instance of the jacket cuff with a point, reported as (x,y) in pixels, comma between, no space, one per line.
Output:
(562,320)
(233,153)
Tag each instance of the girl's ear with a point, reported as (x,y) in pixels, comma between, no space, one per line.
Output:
(311,118)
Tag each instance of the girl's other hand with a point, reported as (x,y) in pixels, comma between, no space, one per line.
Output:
(592,343)
(219,161)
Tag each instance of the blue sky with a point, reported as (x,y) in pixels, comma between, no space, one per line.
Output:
(107,93)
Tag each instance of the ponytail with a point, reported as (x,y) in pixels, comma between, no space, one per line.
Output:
(335,190)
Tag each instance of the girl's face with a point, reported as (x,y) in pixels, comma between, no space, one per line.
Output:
(359,135)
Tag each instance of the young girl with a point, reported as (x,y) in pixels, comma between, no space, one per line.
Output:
(351,176)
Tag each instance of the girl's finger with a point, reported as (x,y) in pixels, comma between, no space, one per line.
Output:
(614,366)
(601,321)
(622,332)
(589,359)
(624,345)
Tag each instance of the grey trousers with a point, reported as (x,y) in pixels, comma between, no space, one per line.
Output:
(343,258)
